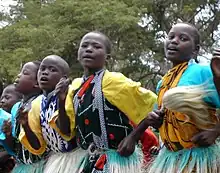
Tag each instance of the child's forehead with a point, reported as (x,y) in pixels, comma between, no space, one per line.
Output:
(52,63)
(182,28)
(29,66)
(8,89)
(94,37)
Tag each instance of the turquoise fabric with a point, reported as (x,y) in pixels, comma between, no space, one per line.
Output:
(199,74)
(30,168)
(3,116)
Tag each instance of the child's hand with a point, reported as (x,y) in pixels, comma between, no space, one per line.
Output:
(205,138)
(154,150)
(62,88)
(127,146)
(23,116)
(7,128)
(155,118)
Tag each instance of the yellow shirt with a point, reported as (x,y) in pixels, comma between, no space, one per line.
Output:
(128,96)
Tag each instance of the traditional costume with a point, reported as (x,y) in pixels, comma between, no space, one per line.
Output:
(25,161)
(101,108)
(179,153)
(60,150)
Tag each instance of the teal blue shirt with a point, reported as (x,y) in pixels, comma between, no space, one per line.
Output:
(197,74)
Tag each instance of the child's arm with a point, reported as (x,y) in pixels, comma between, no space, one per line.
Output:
(31,137)
(63,121)
(208,137)
(127,146)
(215,66)
(7,130)
(66,113)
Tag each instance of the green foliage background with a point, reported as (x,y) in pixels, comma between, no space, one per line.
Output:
(137,28)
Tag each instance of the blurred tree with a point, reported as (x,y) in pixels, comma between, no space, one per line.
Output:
(137,29)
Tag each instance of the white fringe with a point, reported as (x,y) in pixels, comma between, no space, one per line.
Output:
(65,162)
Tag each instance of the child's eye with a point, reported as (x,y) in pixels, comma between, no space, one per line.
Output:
(53,70)
(183,38)
(42,68)
(7,97)
(170,37)
(25,72)
(84,45)
(97,46)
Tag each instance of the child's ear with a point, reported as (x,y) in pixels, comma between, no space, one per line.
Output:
(196,50)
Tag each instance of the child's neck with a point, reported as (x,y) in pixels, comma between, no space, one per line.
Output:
(89,72)
(30,95)
(45,93)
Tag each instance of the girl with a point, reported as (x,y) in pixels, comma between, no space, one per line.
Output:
(52,70)
(26,83)
(104,104)
(182,130)
(8,98)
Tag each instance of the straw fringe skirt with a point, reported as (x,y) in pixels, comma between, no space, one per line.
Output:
(198,160)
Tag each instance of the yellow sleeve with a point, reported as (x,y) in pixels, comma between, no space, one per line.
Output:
(128,96)
(69,107)
(34,123)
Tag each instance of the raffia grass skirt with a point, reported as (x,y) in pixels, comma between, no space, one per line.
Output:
(74,162)
(198,160)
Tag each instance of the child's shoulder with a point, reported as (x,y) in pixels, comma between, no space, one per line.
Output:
(75,84)
(199,71)
(200,68)
(117,78)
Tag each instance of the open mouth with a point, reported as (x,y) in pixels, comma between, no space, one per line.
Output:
(43,80)
(88,57)
(173,49)
(16,81)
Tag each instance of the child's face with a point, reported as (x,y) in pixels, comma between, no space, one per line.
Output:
(9,98)
(26,80)
(179,45)
(49,74)
(92,51)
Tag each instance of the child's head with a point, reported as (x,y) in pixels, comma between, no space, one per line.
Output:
(182,43)
(52,69)
(9,97)
(26,82)
(94,49)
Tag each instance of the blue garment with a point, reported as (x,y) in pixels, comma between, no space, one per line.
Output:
(3,116)
(49,105)
(197,74)
(6,116)
(14,111)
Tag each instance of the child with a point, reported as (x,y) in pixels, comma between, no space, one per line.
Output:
(52,70)
(26,83)
(8,98)
(182,134)
(103,104)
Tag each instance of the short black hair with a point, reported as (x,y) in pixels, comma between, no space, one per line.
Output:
(108,44)
(37,64)
(18,95)
(64,66)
